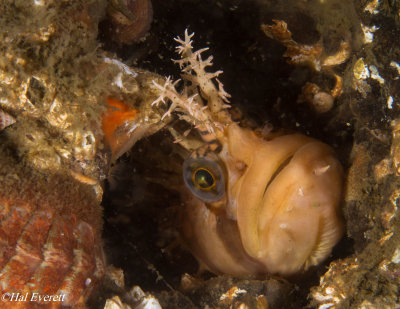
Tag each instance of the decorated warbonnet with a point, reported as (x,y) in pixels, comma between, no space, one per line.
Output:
(253,205)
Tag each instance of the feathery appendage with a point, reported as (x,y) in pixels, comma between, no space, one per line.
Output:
(203,100)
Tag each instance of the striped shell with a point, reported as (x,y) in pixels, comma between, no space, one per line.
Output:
(130,20)
(5,120)
(49,237)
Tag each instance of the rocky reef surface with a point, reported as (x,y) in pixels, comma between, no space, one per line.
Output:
(54,81)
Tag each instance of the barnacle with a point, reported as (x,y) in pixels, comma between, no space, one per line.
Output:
(123,125)
(113,119)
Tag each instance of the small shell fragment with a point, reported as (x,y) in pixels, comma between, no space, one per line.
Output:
(323,102)
(116,303)
(360,70)
(396,256)
(130,20)
(116,275)
(231,294)
(5,120)
(143,300)
(149,302)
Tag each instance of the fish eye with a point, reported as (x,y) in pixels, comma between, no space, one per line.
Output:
(204,178)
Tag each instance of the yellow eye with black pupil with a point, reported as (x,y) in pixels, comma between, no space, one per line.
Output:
(203,179)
